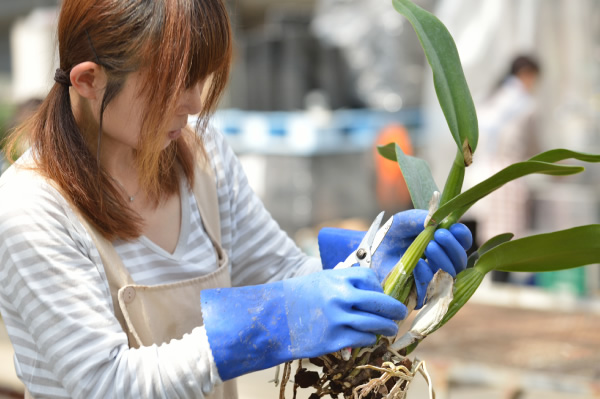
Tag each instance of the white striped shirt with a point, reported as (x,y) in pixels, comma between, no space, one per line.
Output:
(56,304)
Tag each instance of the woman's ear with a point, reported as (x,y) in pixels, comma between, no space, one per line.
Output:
(88,80)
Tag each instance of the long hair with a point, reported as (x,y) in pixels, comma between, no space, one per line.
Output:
(519,64)
(177,43)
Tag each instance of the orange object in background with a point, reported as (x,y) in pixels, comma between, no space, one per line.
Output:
(392,193)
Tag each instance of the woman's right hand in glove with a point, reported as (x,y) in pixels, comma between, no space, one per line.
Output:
(256,327)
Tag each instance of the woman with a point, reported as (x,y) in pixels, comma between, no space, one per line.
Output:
(122,228)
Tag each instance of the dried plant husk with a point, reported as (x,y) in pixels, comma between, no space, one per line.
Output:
(439,297)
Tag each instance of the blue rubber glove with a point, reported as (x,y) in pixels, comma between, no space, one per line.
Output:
(256,327)
(447,251)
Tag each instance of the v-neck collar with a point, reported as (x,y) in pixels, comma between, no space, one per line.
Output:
(184,232)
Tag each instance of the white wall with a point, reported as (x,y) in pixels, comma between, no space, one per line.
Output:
(34,59)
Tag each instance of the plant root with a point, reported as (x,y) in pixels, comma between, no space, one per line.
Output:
(373,373)
(389,371)
(287,370)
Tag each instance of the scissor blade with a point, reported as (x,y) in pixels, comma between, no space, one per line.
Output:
(381,234)
(367,241)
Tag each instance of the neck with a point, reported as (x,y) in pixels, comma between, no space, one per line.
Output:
(116,158)
(119,163)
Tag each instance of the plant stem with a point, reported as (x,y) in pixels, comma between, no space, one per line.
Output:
(453,217)
(455,178)
(400,281)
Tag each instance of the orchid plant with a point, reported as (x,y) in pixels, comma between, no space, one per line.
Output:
(384,371)
(559,250)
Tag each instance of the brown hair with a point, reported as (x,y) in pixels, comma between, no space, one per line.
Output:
(177,43)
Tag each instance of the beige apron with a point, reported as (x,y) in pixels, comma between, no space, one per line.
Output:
(159,313)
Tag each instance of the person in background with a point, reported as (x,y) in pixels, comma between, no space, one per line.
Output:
(507,134)
(135,260)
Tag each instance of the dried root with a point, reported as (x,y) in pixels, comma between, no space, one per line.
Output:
(403,376)
(376,373)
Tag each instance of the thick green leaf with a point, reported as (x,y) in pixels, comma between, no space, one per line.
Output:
(489,244)
(416,173)
(418,178)
(560,154)
(388,151)
(494,242)
(448,76)
(559,250)
(464,200)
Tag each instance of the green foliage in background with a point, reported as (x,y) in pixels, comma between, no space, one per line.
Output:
(6,114)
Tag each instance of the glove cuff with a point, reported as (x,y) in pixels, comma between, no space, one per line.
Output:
(246,328)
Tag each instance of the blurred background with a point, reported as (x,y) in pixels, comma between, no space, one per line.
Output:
(317,84)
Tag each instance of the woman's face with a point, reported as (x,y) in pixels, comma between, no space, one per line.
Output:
(123,116)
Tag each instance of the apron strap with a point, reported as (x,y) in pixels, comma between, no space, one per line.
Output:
(205,192)
(117,274)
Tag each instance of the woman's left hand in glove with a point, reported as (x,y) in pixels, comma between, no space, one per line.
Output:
(447,251)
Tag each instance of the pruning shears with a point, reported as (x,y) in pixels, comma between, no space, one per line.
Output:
(369,244)
(364,253)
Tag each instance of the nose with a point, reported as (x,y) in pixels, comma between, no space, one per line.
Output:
(191,100)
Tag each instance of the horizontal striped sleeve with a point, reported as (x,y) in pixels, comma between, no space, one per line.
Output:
(58,313)
(260,251)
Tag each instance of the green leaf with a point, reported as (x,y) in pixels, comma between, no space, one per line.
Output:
(560,154)
(464,200)
(559,250)
(489,244)
(448,76)
(418,178)
(416,173)
(494,242)
(388,151)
